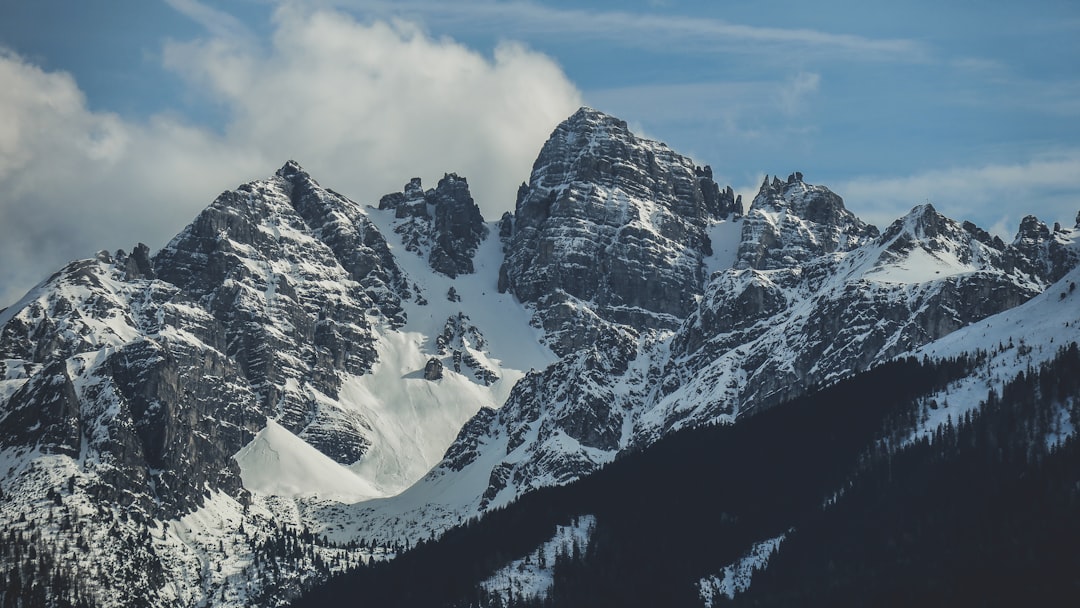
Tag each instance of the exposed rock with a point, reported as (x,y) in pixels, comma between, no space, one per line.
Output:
(138,264)
(792,222)
(445,223)
(291,326)
(1045,254)
(609,231)
(433,370)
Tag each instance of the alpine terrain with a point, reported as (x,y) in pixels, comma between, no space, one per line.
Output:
(304,394)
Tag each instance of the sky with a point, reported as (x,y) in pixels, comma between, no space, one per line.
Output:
(120,121)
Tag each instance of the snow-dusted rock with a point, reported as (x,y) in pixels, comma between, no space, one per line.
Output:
(611,230)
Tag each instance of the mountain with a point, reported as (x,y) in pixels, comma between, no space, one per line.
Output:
(163,412)
(917,482)
(806,294)
(298,383)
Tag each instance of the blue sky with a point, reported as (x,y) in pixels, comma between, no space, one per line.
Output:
(130,116)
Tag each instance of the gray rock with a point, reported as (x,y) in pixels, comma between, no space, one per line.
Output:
(610,230)
(433,370)
(445,222)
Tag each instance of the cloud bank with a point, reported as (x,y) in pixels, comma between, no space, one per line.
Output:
(363,106)
(1004,192)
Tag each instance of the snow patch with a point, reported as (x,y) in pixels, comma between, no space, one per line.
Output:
(725,237)
(532,576)
(736,577)
(278,463)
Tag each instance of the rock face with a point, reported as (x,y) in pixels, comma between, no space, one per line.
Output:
(167,367)
(290,271)
(445,223)
(610,230)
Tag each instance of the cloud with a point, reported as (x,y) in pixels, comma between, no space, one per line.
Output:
(743,112)
(799,88)
(75,181)
(363,107)
(994,196)
(216,22)
(366,106)
(649,30)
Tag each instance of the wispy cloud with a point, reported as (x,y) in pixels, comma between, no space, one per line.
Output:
(217,23)
(647,30)
(742,111)
(996,196)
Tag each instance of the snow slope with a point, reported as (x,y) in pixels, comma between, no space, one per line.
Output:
(279,463)
(1014,341)
(736,578)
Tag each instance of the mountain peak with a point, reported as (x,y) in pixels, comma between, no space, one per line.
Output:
(444,224)
(614,224)
(922,222)
(791,221)
(585,114)
(1032,229)
(290,169)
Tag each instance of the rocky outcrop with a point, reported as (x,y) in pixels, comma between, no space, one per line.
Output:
(444,223)
(791,222)
(433,370)
(1043,252)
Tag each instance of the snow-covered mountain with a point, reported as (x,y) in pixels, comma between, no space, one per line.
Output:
(298,382)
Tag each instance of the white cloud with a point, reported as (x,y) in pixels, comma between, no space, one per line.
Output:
(75,181)
(994,196)
(653,30)
(741,112)
(363,107)
(801,86)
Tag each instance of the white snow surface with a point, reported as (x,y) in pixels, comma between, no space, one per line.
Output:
(1015,340)
(532,576)
(413,421)
(279,463)
(725,237)
(735,578)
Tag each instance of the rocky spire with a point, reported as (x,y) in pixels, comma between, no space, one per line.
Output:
(445,223)
(791,221)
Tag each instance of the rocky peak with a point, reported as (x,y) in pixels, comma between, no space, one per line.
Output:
(137,265)
(289,272)
(458,229)
(443,223)
(791,222)
(1032,230)
(290,169)
(1042,252)
(923,222)
(610,229)
(720,203)
(983,236)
